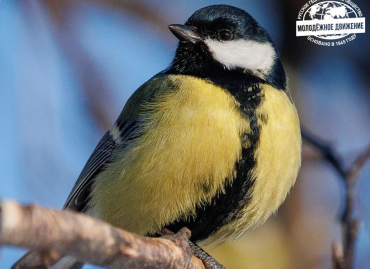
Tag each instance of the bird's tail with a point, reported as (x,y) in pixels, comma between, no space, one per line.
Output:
(32,260)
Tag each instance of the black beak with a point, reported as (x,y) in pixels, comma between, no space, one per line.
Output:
(184,33)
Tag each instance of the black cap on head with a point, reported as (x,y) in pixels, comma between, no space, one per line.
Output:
(225,41)
(209,20)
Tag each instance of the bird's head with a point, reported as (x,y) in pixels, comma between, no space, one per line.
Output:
(223,37)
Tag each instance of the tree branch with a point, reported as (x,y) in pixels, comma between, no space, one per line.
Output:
(65,233)
(343,253)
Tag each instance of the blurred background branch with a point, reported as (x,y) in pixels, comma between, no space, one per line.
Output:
(343,253)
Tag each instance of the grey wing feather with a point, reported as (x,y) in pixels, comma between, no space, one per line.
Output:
(97,160)
(113,140)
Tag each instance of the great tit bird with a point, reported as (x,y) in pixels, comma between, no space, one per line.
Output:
(211,143)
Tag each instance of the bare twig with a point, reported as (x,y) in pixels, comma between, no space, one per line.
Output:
(343,254)
(326,150)
(65,233)
(337,256)
(357,165)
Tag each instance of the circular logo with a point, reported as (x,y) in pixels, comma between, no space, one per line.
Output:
(330,23)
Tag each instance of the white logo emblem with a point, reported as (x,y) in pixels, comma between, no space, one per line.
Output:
(332,23)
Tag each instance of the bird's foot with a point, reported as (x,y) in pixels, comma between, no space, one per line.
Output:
(184,234)
(208,261)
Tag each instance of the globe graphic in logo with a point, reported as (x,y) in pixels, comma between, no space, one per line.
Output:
(329,10)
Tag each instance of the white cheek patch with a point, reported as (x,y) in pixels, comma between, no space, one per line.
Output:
(246,54)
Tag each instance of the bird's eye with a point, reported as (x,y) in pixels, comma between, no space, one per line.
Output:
(225,35)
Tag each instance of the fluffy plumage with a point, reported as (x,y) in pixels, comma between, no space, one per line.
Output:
(212,143)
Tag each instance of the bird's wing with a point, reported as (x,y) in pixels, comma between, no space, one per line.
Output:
(116,138)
